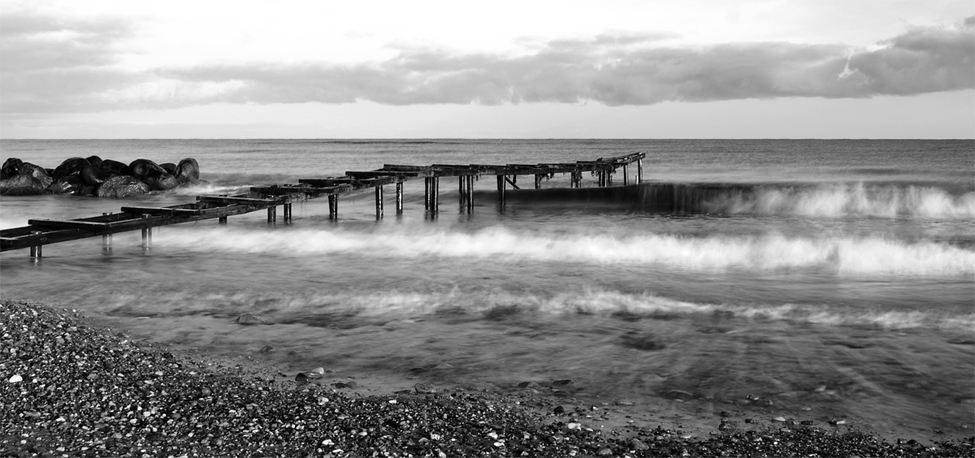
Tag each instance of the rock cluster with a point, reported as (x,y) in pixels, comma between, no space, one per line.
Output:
(67,389)
(93,176)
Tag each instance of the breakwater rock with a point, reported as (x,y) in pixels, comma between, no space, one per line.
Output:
(93,176)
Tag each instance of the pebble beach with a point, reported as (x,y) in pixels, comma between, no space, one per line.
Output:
(71,387)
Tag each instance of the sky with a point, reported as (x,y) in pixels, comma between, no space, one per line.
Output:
(487,69)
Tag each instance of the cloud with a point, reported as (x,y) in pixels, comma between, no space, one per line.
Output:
(40,74)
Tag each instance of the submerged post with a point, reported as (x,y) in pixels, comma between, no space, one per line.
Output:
(399,197)
(287,212)
(272,214)
(379,202)
(222,220)
(639,171)
(107,238)
(538,181)
(426,192)
(624,174)
(35,251)
(146,233)
(435,194)
(501,180)
(333,207)
(470,193)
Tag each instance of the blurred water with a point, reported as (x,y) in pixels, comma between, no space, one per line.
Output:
(739,268)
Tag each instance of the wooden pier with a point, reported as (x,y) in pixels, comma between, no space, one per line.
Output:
(40,232)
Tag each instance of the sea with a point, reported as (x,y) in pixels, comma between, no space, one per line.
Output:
(822,280)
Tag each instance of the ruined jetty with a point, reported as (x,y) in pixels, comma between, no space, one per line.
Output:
(40,232)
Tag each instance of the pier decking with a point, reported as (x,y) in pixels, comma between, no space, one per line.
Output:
(40,232)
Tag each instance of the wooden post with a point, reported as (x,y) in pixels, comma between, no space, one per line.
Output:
(35,251)
(435,194)
(333,207)
(399,197)
(379,202)
(470,193)
(501,180)
(427,183)
(624,174)
(107,238)
(222,220)
(272,214)
(538,181)
(146,233)
(287,213)
(639,171)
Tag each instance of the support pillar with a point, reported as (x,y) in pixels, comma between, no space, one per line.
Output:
(287,213)
(427,184)
(146,233)
(379,202)
(222,220)
(435,194)
(625,166)
(501,180)
(639,171)
(538,181)
(35,251)
(470,193)
(107,238)
(272,214)
(399,198)
(333,207)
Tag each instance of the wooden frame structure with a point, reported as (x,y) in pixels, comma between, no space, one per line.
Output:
(40,232)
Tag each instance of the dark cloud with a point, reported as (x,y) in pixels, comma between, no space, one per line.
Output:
(613,69)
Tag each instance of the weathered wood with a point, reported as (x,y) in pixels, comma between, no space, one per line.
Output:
(70,224)
(379,202)
(399,197)
(162,210)
(226,200)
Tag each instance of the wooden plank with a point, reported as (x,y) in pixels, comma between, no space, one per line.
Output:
(70,224)
(162,211)
(382,173)
(220,200)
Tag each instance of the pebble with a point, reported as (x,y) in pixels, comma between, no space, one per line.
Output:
(16,378)
(423,388)
(249,318)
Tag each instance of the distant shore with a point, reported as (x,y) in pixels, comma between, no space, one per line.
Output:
(69,387)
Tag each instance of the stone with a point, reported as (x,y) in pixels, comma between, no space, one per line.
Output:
(637,444)
(122,186)
(562,382)
(249,318)
(422,388)
(16,378)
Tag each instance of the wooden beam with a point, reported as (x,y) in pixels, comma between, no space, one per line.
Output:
(162,211)
(68,224)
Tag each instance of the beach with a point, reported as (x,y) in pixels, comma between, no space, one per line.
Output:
(73,389)
(744,285)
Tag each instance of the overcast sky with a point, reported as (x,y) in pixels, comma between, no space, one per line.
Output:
(486,69)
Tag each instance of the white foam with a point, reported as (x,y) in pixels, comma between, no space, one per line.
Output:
(839,200)
(842,255)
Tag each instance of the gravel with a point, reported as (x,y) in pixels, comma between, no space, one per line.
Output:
(70,389)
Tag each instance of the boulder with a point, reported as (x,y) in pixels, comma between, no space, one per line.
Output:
(93,175)
(115,166)
(69,184)
(122,186)
(188,171)
(153,175)
(24,179)
(69,167)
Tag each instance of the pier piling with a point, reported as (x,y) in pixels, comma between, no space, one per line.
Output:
(379,202)
(146,232)
(333,207)
(399,197)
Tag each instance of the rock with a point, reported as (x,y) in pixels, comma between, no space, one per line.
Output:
(558,410)
(249,318)
(678,394)
(122,186)
(350,385)
(562,382)
(779,419)
(424,389)
(574,425)
(266,349)
(188,171)
(605,451)
(637,444)
(153,175)
(16,378)
(561,394)
(26,179)
(527,385)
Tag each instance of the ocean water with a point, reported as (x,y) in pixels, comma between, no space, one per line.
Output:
(819,279)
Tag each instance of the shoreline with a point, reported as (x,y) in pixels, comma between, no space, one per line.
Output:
(85,391)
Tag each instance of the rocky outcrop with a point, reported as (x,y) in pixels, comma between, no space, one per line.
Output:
(93,176)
